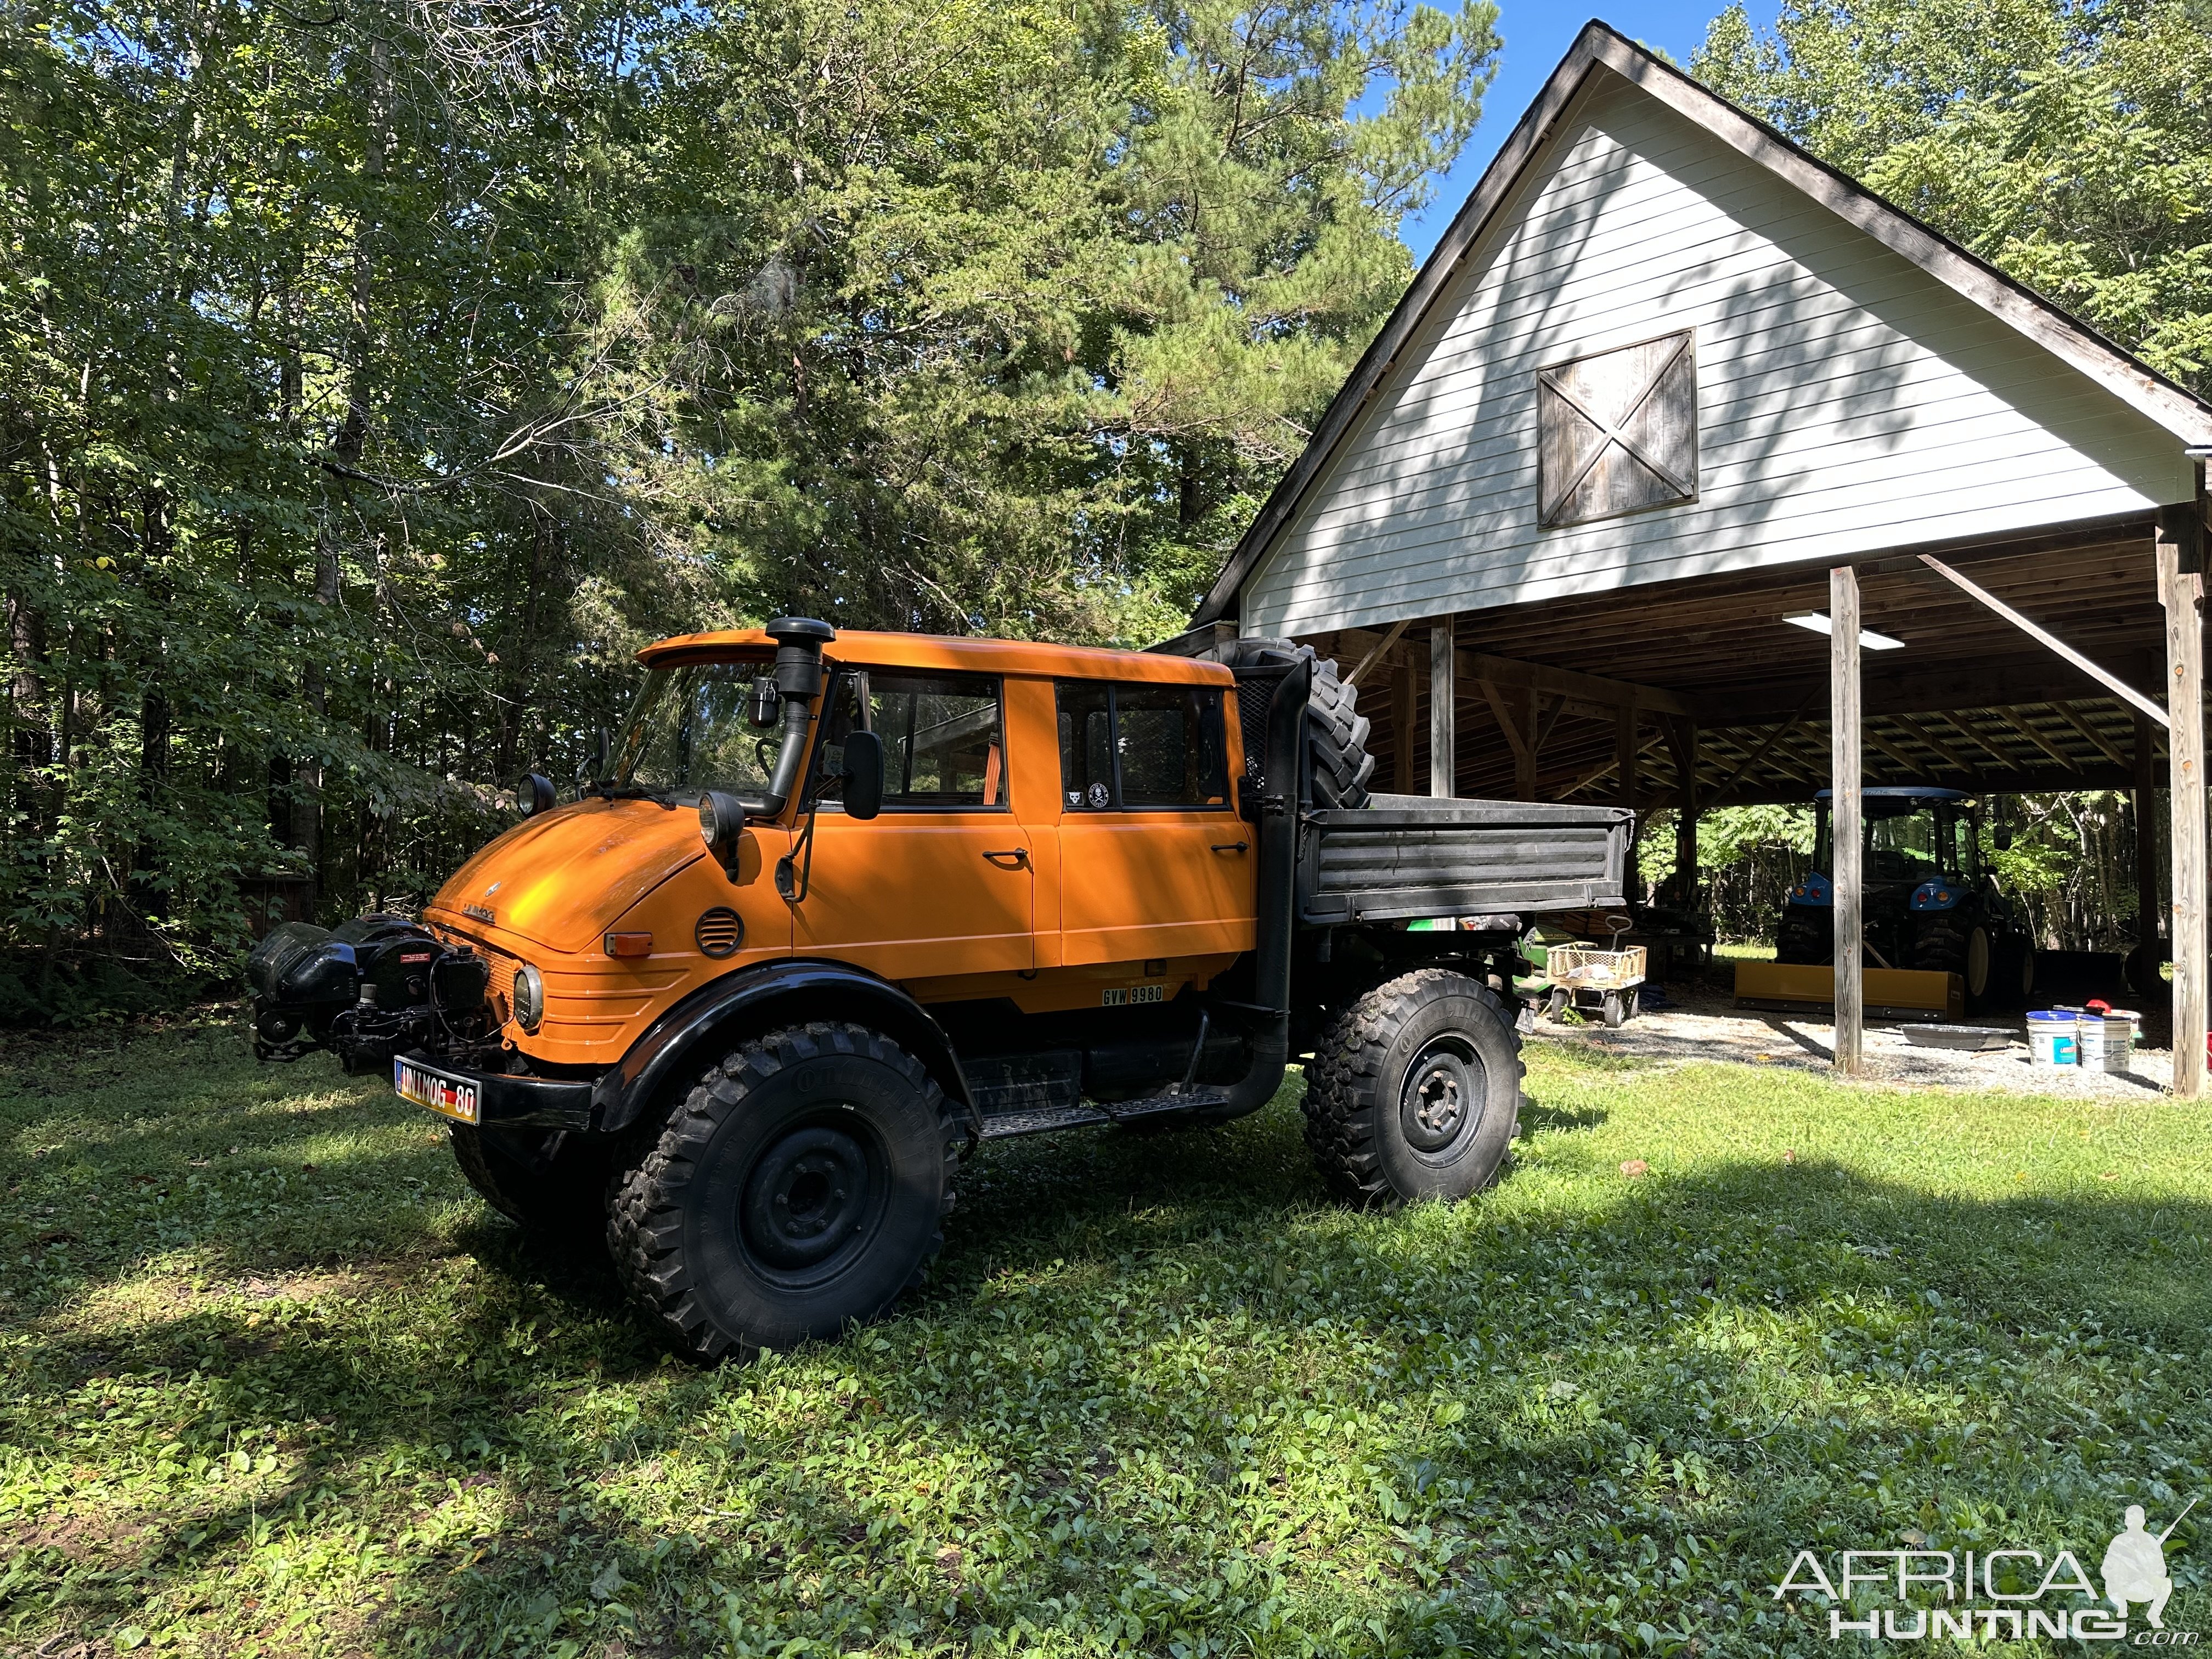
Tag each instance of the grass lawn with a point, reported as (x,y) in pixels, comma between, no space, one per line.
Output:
(276,1382)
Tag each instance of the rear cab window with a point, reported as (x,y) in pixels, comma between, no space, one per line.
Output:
(1138,748)
(944,738)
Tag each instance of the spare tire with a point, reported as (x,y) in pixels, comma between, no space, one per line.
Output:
(1336,735)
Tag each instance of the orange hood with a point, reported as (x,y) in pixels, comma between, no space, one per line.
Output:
(564,878)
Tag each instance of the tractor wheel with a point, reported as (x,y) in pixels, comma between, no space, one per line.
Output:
(1953,944)
(1805,935)
(1337,736)
(1414,1091)
(799,1189)
(555,1185)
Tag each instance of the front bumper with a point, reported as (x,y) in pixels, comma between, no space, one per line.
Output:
(520,1103)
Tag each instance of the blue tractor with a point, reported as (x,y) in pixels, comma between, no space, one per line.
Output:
(1927,903)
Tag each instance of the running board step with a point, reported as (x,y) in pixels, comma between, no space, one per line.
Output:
(1006,1126)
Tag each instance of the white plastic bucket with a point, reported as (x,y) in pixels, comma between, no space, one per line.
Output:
(2106,1044)
(2053,1038)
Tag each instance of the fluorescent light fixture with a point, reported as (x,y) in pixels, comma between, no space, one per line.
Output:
(1818,622)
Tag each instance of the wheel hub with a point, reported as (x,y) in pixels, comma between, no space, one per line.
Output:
(805,1196)
(1443,1096)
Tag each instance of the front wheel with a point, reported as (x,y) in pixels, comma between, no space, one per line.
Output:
(799,1189)
(1414,1091)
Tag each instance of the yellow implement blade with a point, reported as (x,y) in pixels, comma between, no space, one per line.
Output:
(1810,988)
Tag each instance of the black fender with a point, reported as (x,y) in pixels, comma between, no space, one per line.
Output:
(696,1031)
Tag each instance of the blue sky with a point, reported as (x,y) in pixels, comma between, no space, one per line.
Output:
(1536,36)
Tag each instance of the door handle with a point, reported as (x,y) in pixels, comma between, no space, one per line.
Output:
(1231,846)
(1020,855)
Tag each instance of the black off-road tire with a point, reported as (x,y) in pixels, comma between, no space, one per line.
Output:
(1336,735)
(1946,946)
(1414,1092)
(556,1186)
(1805,935)
(800,1187)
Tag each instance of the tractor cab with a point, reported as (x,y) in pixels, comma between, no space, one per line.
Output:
(1928,902)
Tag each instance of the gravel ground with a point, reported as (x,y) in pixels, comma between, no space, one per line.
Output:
(1705,1024)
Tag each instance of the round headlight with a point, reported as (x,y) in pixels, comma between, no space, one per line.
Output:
(722,827)
(529,998)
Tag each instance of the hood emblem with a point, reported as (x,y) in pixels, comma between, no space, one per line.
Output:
(480,912)
(495,887)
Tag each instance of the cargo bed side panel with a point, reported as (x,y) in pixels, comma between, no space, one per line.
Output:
(1406,856)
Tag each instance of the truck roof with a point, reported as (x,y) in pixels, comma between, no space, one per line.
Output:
(952,653)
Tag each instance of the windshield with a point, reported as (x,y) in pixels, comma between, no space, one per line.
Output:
(691,728)
(1906,840)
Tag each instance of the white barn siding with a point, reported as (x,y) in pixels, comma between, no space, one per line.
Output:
(1848,402)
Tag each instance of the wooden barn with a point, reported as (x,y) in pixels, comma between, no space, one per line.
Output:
(1668,382)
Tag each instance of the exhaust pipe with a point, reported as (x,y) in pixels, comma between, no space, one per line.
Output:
(1278,836)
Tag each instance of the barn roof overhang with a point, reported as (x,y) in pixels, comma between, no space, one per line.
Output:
(1970,700)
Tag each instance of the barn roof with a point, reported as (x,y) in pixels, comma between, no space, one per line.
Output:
(1598,53)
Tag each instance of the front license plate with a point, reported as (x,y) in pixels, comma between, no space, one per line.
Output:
(450,1096)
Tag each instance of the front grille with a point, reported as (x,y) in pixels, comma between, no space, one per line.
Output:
(720,931)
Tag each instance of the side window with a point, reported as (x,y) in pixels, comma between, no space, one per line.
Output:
(943,735)
(1141,747)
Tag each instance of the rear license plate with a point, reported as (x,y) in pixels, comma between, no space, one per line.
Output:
(449,1096)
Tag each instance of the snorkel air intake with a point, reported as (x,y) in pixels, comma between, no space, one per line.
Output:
(798,643)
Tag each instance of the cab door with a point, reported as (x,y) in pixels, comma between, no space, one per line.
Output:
(943,882)
(1154,861)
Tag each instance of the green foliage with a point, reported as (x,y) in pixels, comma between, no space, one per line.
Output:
(375,381)
(275,1379)
(2068,142)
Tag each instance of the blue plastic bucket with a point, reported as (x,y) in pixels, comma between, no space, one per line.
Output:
(2052,1038)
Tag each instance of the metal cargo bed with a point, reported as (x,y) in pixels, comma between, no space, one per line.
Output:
(1406,856)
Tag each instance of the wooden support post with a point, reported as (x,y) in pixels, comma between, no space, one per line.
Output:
(1524,754)
(2181,590)
(1843,768)
(1443,726)
(2142,802)
(1687,805)
(1401,727)
(1624,761)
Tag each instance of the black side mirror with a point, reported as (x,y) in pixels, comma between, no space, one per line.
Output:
(863,773)
(537,793)
(603,755)
(2003,838)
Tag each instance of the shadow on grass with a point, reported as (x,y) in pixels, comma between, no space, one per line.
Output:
(1156,1393)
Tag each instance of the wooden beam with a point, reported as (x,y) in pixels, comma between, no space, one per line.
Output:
(2095,737)
(1958,723)
(1443,730)
(1588,779)
(1912,767)
(1937,746)
(1844,815)
(1507,722)
(1570,683)
(1397,632)
(1524,764)
(1753,758)
(2119,687)
(2181,591)
(2013,718)
(2142,803)
(1685,815)
(1402,728)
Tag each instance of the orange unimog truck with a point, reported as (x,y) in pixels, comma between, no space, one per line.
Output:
(833,908)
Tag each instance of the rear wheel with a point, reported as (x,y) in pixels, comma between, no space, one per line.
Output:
(1806,934)
(799,1188)
(1414,1091)
(1951,943)
(556,1185)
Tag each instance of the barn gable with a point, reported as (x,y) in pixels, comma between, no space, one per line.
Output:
(1853,384)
